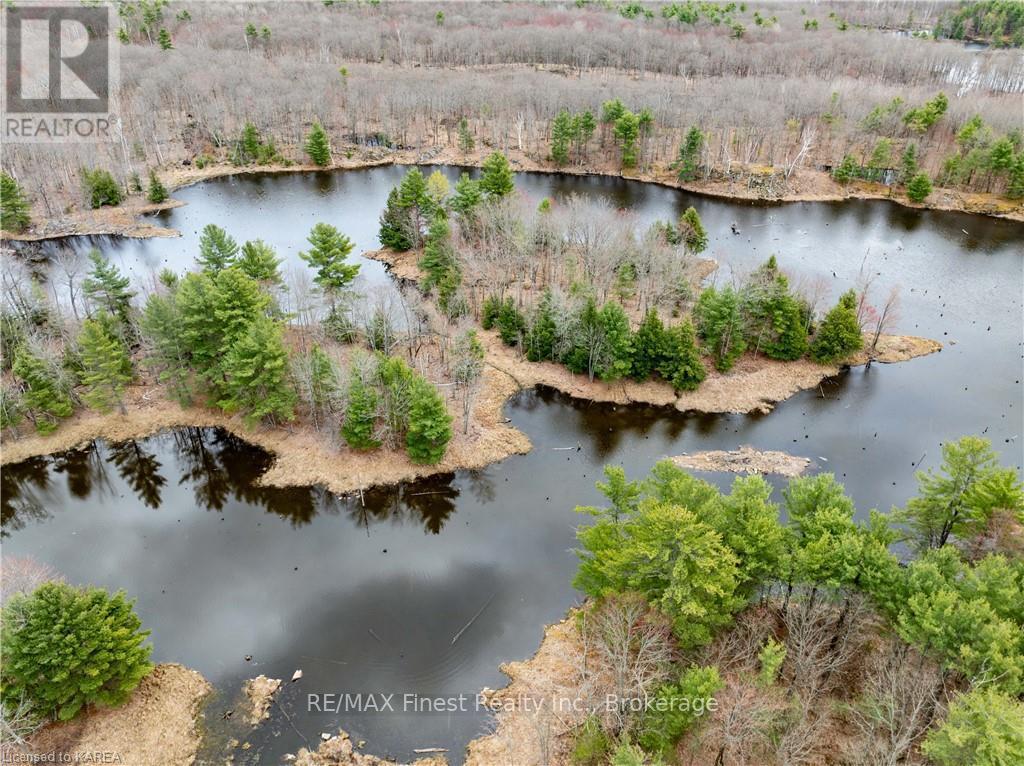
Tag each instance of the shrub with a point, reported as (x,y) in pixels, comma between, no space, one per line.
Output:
(592,744)
(67,647)
(101,188)
(14,208)
(839,334)
(919,187)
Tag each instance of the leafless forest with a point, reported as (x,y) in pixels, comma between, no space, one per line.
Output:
(777,95)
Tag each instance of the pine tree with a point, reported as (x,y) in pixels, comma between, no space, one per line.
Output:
(396,224)
(319,380)
(101,188)
(490,311)
(438,255)
(496,178)
(839,335)
(648,346)
(540,341)
(318,147)
(985,727)
(1015,182)
(561,136)
(107,289)
(164,40)
(327,254)
(257,372)
(248,144)
(908,163)
(412,195)
(166,352)
(691,229)
(847,170)
(919,187)
(681,365)
(617,357)
(359,425)
(720,325)
(106,366)
(466,142)
(430,425)
(156,192)
(45,396)
(260,262)
(217,250)
(510,323)
(627,130)
(688,162)
(468,195)
(14,208)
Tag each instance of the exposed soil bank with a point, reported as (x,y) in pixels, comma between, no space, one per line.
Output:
(804,185)
(158,726)
(551,674)
(744,460)
(304,456)
(340,751)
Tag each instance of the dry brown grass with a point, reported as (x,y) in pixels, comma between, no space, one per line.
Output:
(156,727)
(744,460)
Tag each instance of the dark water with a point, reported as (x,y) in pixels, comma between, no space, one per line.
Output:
(212,560)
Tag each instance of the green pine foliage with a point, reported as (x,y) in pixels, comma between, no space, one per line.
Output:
(438,262)
(984,727)
(510,322)
(677,708)
(691,229)
(649,346)
(430,425)
(467,197)
(616,359)
(318,146)
(687,164)
(680,363)
(592,744)
(543,332)
(65,648)
(107,290)
(561,137)
(217,249)
(14,207)
(396,224)
(847,170)
(156,193)
(101,188)
(106,365)
(164,40)
(908,164)
(260,262)
(466,142)
(496,176)
(919,187)
(166,353)
(839,335)
(490,311)
(359,425)
(328,254)
(45,396)
(719,324)
(258,380)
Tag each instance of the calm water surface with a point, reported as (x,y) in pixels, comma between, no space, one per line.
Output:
(375,595)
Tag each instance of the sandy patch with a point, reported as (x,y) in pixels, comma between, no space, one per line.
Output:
(897,348)
(259,692)
(340,751)
(156,727)
(745,460)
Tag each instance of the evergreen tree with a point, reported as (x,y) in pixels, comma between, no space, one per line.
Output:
(847,170)
(1015,181)
(540,341)
(413,196)
(106,366)
(45,396)
(360,415)
(166,353)
(985,727)
(156,192)
(908,164)
(107,289)
(681,365)
(257,374)
(720,325)
(466,142)
(510,323)
(583,126)
(327,254)
(14,207)
(467,197)
(649,345)
(588,341)
(627,130)
(438,255)
(919,187)
(617,358)
(396,224)
(249,144)
(688,162)
(490,311)
(164,40)
(217,249)
(561,136)
(101,188)
(260,262)
(66,647)
(691,229)
(319,381)
(430,425)
(437,191)
(839,335)
(318,147)
(496,179)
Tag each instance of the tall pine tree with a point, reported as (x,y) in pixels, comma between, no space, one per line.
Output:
(45,397)
(328,251)
(430,425)
(106,366)
(318,147)
(257,374)
(217,249)
(14,208)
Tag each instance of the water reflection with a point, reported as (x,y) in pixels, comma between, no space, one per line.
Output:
(221,469)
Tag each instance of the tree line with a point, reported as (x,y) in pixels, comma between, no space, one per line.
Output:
(791,626)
